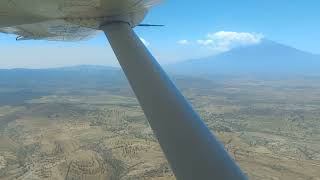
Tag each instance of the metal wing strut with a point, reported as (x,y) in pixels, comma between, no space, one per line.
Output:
(191,149)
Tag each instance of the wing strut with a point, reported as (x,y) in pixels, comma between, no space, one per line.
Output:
(191,149)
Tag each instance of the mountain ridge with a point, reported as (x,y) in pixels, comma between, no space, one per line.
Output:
(267,58)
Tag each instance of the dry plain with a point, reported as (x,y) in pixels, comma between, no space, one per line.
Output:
(270,127)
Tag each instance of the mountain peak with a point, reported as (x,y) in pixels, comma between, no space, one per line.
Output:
(267,57)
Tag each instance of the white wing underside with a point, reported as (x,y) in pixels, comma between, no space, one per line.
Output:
(71,20)
(55,30)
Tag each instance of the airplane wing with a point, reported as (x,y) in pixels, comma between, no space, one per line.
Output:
(54,30)
(67,20)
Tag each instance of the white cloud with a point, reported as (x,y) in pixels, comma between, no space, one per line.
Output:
(205,42)
(235,38)
(146,43)
(183,42)
(215,43)
(223,41)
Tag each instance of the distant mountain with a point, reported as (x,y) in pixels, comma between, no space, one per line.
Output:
(266,58)
(19,85)
(78,68)
(86,75)
(87,68)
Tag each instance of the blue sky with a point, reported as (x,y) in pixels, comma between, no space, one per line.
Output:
(193,29)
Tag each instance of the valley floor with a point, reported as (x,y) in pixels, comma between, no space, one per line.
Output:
(271,128)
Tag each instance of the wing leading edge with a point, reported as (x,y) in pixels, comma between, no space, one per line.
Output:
(67,20)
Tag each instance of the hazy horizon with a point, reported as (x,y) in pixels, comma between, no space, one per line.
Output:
(109,60)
